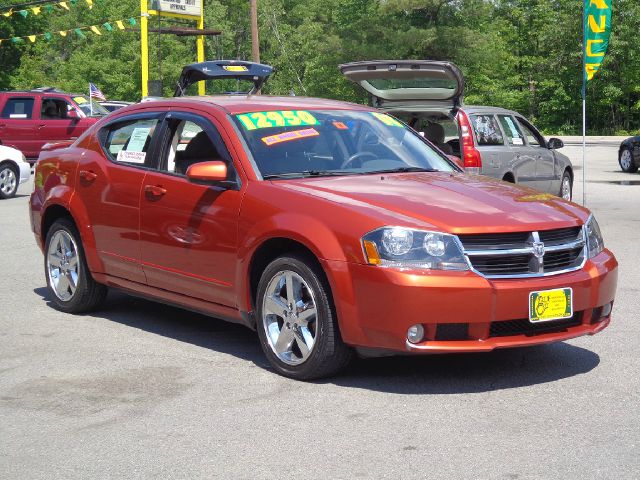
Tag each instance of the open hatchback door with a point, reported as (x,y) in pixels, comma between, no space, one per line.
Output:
(392,83)
(256,73)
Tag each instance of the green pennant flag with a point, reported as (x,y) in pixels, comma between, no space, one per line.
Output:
(24,13)
(47,36)
(107,26)
(597,28)
(17,40)
(73,2)
(78,32)
(132,21)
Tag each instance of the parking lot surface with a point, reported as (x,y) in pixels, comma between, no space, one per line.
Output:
(143,390)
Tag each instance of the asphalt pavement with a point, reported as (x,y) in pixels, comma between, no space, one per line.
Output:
(142,390)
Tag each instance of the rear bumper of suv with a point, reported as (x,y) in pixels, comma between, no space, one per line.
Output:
(463,311)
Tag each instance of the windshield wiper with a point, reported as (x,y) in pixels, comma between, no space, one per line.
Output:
(308,173)
(402,170)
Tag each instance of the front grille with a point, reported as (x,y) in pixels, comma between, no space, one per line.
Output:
(523,326)
(504,255)
(452,331)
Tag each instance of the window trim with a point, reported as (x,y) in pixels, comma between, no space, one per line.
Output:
(214,136)
(151,160)
(19,97)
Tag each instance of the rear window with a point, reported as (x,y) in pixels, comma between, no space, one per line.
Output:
(417,82)
(129,141)
(19,108)
(487,130)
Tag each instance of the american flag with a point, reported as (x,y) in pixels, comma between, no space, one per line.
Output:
(95,92)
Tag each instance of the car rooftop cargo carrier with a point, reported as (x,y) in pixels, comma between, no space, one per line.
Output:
(224,69)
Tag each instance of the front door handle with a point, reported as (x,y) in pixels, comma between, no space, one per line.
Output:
(155,190)
(88,175)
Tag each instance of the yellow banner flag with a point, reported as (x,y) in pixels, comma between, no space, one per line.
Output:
(95,30)
(63,33)
(64,5)
(90,3)
(32,38)
(36,10)
(8,14)
(120,24)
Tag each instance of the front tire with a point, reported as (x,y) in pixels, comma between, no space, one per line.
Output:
(69,281)
(297,323)
(566,186)
(626,161)
(9,177)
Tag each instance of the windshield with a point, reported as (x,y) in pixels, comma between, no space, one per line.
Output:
(86,107)
(334,142)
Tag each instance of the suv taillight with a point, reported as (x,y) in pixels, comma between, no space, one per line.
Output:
(470,154)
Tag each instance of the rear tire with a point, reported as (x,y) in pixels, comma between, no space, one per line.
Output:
(9,179)
(72,288)
(296,320)
(626,161)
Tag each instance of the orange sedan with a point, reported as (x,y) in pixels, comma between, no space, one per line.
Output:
(330,228)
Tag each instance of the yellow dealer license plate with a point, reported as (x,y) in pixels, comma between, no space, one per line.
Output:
(549,305)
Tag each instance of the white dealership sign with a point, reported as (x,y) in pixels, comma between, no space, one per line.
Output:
(185,7)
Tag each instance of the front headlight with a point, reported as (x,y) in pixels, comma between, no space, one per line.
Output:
(399,247)
(595,244)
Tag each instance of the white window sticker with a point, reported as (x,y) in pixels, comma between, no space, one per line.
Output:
(138,139)
(18,115)
(514,131)
(517,141)
(131,157)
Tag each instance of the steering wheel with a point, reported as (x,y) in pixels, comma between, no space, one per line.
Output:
(357,156)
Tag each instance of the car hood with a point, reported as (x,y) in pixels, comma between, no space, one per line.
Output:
(450,202)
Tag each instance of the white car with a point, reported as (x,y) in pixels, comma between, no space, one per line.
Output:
(14,170)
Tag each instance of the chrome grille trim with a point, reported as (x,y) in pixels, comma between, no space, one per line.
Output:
(536,267)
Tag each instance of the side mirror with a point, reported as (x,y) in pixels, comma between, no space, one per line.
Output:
(73,115)
(555,143)
(212,172)
(457,160)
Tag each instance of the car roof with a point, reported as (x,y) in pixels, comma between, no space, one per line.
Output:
(255,103)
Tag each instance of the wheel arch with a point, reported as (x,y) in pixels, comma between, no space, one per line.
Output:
(509,177)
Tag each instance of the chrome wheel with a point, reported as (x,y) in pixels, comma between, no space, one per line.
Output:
(289,317)
(63,265)
(8,181)
(565,189)
(626,161)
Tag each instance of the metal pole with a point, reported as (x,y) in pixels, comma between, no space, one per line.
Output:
(255,44)
(144,47)
(584,151)
(200,48)
(90,101)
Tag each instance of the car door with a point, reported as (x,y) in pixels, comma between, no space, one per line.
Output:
(110,178)
(18,124)
(188,231)
(520,158)
(59,120)
(490,143)
(546,178)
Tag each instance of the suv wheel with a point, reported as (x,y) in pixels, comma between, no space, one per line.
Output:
(297,322)
(625,159)
(70,283)
(8,180)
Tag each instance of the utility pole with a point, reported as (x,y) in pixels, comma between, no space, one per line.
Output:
(255,44)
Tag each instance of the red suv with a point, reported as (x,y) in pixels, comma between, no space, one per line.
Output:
(30,119)
(326,226)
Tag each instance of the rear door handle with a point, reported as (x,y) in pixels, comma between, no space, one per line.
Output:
(41,126)
(88,175)
(155,190)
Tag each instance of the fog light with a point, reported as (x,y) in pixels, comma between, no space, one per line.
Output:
(415,333)
(606,310)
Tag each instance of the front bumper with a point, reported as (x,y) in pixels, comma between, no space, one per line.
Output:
(25,171)
(463,311)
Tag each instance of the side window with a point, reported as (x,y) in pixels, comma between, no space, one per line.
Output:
(533,137)
(21,108)
(128,142)
(54,109)
(511,130)
(487,130)
(191,144)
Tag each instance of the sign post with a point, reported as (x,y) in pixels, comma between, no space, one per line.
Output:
(184,9)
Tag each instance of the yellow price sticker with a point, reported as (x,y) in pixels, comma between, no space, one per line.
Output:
(235,68)
(386,119)
(282,118)
(550,305)
(80,100)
